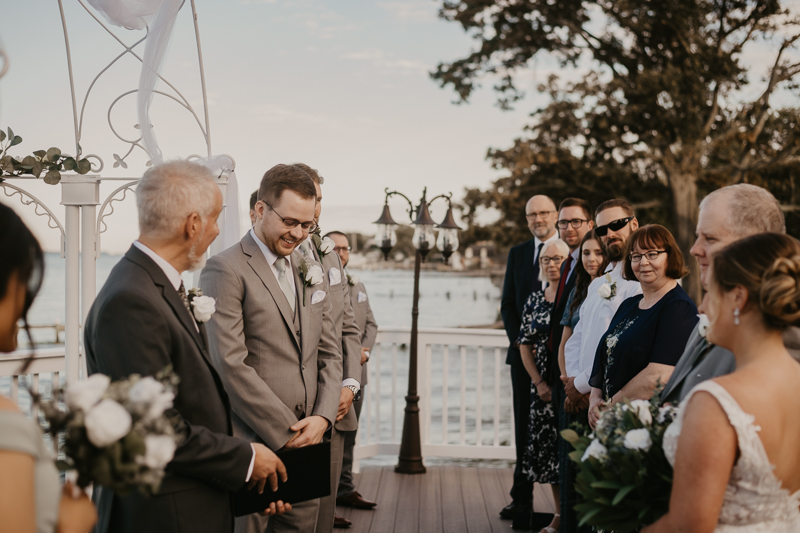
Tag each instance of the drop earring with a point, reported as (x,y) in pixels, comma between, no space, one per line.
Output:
(736,321)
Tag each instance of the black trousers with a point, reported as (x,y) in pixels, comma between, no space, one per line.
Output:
(522,490)
(569,518)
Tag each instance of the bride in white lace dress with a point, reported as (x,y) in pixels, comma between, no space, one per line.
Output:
(735,442)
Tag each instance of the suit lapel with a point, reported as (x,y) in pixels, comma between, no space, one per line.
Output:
(263,270)
(169,294)
(528,266)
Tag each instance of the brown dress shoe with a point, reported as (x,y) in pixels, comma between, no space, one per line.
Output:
(341,522)
(356,501)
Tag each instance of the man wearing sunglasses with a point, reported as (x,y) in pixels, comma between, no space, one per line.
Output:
(272,337)
(616,222)
(522,278)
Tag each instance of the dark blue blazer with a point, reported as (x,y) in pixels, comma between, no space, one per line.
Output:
(520,281)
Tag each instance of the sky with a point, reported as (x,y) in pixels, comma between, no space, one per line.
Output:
(341,86)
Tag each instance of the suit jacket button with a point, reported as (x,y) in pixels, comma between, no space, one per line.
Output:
(299,406)
(304,367)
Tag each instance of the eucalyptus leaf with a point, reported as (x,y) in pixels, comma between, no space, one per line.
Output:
(53,177)
(53,153)
(2,136)
(570,435)
(16,140)
(29,161)
(69,163)
(84,166)
(37,169)
(40,153)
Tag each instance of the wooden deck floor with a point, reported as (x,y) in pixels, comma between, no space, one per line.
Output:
(445,499)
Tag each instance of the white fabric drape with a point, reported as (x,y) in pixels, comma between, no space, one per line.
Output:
(159,18)
(232,223)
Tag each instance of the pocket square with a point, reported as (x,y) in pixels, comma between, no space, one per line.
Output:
(334,276)
(362,296)
(317,297)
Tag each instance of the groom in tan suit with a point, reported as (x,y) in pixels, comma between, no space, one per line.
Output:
(272,338)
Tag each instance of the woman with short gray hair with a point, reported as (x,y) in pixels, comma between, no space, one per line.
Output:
(541,456)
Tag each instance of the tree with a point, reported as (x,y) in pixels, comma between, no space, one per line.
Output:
(665,110)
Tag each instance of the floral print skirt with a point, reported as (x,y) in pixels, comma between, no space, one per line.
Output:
(541,456)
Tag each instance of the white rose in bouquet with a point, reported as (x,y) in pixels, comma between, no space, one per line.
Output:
(326,246)
(85,394)
(203,307)
(596,450)
(160,451)
(106,423)
(642,409)
(638,439)
(151,393)
(314,276)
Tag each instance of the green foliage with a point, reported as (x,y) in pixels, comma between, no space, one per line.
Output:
(49,162)
(661,112)
(623,488)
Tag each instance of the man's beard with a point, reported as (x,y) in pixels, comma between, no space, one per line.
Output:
(197,263)
(615,250)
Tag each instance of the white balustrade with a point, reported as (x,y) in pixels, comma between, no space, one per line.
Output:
(465,392)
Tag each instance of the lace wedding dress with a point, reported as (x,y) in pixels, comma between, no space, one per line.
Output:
(754,501)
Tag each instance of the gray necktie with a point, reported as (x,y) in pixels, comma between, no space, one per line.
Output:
(283,279)
(305,247)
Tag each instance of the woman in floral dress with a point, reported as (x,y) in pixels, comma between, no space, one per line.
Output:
(541,457)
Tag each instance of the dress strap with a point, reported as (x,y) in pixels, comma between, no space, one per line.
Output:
(750,445)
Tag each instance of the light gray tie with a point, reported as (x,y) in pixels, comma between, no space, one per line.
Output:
(305,247)
(283,279)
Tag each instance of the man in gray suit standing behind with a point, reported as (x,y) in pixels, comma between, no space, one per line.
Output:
(347,495)
(272,337)
(726,215)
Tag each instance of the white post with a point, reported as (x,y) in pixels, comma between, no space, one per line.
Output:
(78,192)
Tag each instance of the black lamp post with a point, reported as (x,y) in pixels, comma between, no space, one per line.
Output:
(424,240)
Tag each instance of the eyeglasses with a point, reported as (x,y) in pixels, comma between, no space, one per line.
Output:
(555,260)
(341,248)
(575,223)
(616,225)
(651,256)
(292,223)
(540,214)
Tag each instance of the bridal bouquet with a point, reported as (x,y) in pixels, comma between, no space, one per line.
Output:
(116,434)
(624,480)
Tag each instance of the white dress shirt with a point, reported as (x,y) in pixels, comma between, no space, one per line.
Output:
(575,258)
(595,316)
(174,278)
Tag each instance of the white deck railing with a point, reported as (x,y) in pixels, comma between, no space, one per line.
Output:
(464,388)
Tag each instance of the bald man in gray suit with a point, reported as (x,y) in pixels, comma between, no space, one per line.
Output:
(726,215)
(272,338)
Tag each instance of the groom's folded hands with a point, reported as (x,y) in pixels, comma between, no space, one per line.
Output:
(276,508)
(309,431)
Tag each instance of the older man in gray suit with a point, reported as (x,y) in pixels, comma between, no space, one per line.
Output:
(348,337)
(346,494)
(272,337)
(726,215)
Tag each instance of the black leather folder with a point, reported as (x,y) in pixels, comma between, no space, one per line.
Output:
(309,477)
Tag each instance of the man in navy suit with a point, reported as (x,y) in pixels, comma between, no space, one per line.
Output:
(522,278)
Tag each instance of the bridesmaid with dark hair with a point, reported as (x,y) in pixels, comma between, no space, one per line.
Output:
(29,491)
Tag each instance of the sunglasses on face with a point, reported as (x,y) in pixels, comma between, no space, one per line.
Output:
(615,225)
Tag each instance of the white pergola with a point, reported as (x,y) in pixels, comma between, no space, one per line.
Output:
(85,209)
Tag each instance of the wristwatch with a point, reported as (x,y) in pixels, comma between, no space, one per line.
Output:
(355,390)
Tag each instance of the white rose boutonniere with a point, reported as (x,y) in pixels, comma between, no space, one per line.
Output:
(702,325)
(324,245)
(202,306)
(312,275)
(608,289)
(351,280)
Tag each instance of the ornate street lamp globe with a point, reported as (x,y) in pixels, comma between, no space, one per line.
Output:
(424,238)
(386,236)
(448,235)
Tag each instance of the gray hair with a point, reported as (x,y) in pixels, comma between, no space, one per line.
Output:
(751,209)
(170,192)
(562,248)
